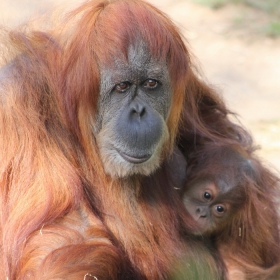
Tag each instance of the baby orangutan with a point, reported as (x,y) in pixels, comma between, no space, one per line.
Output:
(216,189)
(232,199)
(206,201)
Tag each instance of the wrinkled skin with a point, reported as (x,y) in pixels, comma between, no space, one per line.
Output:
(134,105)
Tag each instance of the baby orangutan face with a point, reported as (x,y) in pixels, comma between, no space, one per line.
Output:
(202,200)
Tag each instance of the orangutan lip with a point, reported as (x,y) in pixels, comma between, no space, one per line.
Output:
(133,159)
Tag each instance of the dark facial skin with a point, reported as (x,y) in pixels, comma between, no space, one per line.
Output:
(202,201)
(135,98)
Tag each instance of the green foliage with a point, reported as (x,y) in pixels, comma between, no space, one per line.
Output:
(214,4)
(273,29)
(270,7)
(195,270)
(197,265)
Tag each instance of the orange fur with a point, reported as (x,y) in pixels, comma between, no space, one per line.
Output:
(62,217)
(51,172)
(247,239)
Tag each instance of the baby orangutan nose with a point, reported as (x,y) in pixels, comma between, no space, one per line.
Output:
(201,212)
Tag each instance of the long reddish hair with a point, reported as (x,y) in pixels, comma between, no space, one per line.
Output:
(56,201)
(51,164)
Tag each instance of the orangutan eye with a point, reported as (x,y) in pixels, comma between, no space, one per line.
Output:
(151,83)
(207,195)
(220,209)
(122,87)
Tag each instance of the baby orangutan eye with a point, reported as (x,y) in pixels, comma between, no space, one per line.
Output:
(207,196)
(220,209)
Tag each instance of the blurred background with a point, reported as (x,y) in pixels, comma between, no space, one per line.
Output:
(236,44)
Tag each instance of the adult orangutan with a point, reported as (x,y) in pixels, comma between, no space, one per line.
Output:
(90,112)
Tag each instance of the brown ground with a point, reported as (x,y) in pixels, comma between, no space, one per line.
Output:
(244,65)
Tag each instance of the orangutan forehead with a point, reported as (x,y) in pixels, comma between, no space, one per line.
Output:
(138,65)
(138,56)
